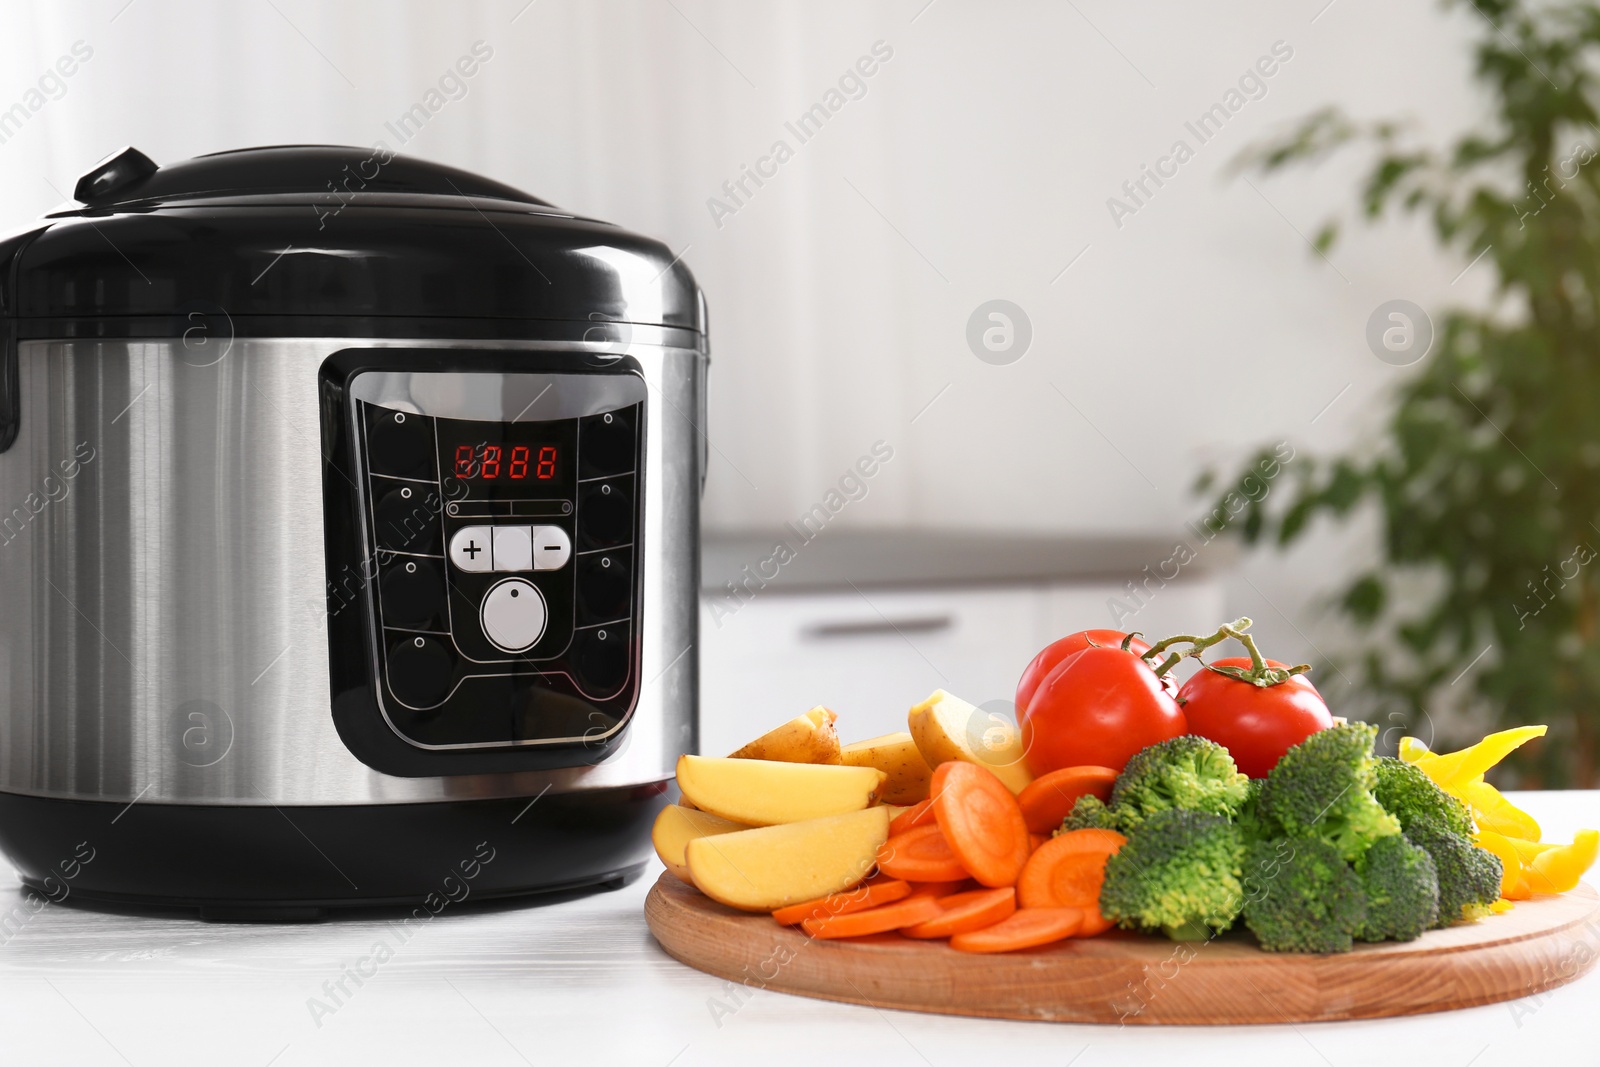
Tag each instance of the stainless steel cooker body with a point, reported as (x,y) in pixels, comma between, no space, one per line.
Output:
(168,597)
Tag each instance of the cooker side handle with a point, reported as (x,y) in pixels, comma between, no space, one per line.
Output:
(703,393)
(10,401)
(10,386)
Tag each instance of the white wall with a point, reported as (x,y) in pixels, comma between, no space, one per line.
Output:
(976,166)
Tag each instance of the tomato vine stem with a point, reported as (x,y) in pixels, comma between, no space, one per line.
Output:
(1257,674)
(1197,643)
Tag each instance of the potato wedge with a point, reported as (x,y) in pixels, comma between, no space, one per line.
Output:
(766,868)
(764,793)
(946,727)
(896,755)
(677,825)
(808,738)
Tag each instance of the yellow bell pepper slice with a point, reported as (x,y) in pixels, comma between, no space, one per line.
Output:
(1557,870)
(1492,811)
(1529,866)
(1412,750)
(1527,850)
(1513,886)
(1455,768)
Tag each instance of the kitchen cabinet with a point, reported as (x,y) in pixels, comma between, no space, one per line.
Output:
(869,641)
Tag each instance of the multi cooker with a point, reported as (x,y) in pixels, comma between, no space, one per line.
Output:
(348,536)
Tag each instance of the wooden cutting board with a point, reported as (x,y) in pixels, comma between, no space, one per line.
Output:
(1122,977)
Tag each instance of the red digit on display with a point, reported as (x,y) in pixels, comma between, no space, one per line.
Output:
(465,468)
(547,463)
(491,461)
(519,462)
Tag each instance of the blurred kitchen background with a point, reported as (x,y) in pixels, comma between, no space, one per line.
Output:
(937,156)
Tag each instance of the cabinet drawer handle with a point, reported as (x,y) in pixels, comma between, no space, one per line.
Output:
(915,624)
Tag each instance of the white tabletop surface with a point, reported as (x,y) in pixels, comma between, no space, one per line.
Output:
(581,981)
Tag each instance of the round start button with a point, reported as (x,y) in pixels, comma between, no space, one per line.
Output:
(513,615)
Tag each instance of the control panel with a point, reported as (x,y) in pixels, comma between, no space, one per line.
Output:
(506,551)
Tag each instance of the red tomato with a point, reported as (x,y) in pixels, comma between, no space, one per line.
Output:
(1098,706)
(1056,651)
(1256,725)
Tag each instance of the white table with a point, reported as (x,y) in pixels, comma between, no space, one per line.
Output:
(581,981)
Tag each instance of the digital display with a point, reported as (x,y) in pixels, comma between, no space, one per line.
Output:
(488,462)
(508,460)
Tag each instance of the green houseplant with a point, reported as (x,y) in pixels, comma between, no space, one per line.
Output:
(1487,478)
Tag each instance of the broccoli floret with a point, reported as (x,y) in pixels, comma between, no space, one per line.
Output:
(1251,822)
(1186,772)
(1301,896)
(1091,813)
(1411,796)
(1178,873)
(1469,876)
(1322,788)
(1402,890)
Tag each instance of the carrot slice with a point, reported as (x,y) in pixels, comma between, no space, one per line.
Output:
(1068,870)
(920,855)
(942,889)
(981,821)
(877,920)
(1047,800)
(1036,842)
(1027,928)
(918,814)
(967,911)
(864,896)
(1094,924)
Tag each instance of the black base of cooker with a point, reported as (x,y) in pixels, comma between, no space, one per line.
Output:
(234,863)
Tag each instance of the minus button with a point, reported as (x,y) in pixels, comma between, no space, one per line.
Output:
(551,548)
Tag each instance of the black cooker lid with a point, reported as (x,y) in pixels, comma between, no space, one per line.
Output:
(312,232)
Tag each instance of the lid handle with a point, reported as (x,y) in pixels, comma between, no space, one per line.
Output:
(113,174)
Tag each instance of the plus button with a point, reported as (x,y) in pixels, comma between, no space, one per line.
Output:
(470,549)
